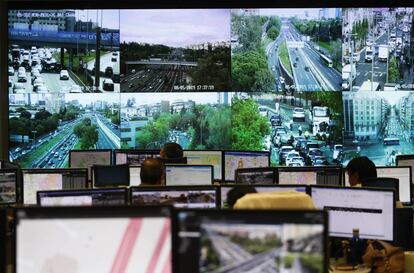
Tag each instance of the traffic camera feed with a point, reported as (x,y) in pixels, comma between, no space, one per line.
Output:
(45,127)
(300,130)
(193,120)
(286,49)
(378,125)
(380,43)
(186,50)
(232,247)
(60,54)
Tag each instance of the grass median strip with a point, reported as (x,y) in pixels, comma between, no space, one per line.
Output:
(284,57)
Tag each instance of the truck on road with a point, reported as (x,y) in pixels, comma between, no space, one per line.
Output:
(370,86)
(348,76)
(320,120)
(382,53)
(369,55)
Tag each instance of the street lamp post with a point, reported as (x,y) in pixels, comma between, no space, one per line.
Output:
(34,136)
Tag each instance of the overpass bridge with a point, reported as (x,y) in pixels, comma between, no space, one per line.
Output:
(63,39)
(161,62)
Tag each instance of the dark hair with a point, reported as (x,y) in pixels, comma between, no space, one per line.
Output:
(173,150)
(152,170)
(238,192)
(363,166)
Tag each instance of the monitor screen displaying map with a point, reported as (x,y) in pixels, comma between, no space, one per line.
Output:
(86,159)
(206,158)
(234,160)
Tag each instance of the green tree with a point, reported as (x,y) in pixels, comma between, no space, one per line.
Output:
(155,133)
(219,125)
(393,73)
(25,114)
(250,72)
(89,137)
(273,32)
(249,128)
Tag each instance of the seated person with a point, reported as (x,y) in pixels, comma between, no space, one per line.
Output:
(360,168)
(152,172)
(238,192)
(172,153)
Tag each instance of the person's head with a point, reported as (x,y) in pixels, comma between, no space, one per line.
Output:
(152,172)
(171,150)
(360,168)
(238,192)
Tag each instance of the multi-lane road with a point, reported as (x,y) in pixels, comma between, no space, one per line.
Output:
(310,73)
(155,78)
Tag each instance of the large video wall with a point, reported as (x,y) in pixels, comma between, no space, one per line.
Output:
(299,82)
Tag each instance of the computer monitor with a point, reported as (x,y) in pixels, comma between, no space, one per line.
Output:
(403,174)
(134,157)
(93,239)
(256,176)
(251,241)
(406,160)
(134,175)
(86,197)
(233,160)
(224,189)
(8,186)
(199,157)
(310,175)
(188,175)
(88,158)
(372,210)
(110,176)
(35,180)
(178,196)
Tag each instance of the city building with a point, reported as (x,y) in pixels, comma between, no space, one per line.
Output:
(129,131)
(406,109)
(46,20)
(364,114)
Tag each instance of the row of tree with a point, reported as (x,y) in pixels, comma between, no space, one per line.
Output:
(206,126)
(87,133)
(325,31)
(250,71)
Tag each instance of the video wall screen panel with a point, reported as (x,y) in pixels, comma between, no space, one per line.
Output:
(273,79)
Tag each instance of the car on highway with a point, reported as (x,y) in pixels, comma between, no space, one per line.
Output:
(10,82)
(41,89)
(273,68)
(19,88)
(109,71)
(262,110)
(281,80)
(108,85)
(64,75)
(56,154)
(311,155)
(38,81)
(298,114)
(75,89)
(114,59)
(296,162)
(307,69)
(11,71)
(291,155)
(295,64)
(115,53)
(319,161)
(283,151)
(21,76)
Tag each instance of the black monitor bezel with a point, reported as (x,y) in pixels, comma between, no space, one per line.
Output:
(94,167)
(60,170)
(16,186)
(264,216)
(367,189)
(313,169)
(175,188)
(259,169)
(307,189)
(79,192)
(188,166)
(132,151)
(90,212)
(3,236)
(410,184)
(215,150)
(223,161)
